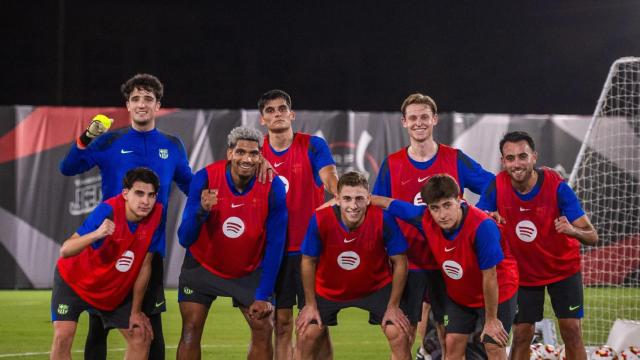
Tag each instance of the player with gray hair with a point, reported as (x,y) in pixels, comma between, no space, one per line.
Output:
(234,230)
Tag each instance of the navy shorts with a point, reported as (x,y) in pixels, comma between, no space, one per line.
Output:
(436,294)
(154,301)
(461,319)
(199,285)
(413,295)
(567,299)
(375,303)
(289,290)
(66,305)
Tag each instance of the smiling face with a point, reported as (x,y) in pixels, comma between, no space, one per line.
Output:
(519,160)
(353,202)
(446,212)
(244,158)
(140,199)
(277,116)
(142,106)
(419,121)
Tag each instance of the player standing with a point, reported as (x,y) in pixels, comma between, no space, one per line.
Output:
(544,225)
(304,163)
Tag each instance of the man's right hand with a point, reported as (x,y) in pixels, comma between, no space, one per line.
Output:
(106,228)
(307,316)
(98,126)
(208,198)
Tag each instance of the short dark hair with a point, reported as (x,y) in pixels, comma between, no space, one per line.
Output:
(439,187)
(272,95)
(516,136)
(142,174)
(146,82)
(353,178)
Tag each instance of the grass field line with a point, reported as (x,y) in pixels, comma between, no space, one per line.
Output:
(211,346)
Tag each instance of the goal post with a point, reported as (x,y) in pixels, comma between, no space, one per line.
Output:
(606,178)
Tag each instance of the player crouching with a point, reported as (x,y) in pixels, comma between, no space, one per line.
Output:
(105,265)
(345,263)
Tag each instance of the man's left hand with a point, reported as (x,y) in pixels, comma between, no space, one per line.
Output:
(496,331)
(395,316)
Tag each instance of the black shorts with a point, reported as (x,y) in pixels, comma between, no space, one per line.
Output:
(566,295)
(154,301)
(461,319)
(375,303)
(413,295)
(199,285)
(289,290)
(436,294)
(66,305)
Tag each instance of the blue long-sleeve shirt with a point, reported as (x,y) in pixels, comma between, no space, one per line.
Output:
(119,151)
(470,174)
(568,202)
(487,241)
(194,216)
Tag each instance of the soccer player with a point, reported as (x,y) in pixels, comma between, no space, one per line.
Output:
(345,263)
(304,163)
(480,274)
(544,225)
(106,264)
(234,229)
(402,175)
(115,153)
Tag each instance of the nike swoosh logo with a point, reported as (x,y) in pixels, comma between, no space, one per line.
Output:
(159,304)
(524,209)
(446,249)
(278,164)
(348,241)
(123,151)
(233,206)
(422,179)
(571,308)
(405,182)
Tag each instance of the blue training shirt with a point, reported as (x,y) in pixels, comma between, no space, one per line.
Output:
(486,244)
(105,211)
(119,151)
(194,216)
(319,156)
(393,239)
(470,174)
(568,202)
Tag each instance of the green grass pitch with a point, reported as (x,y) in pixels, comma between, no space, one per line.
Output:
(25,327)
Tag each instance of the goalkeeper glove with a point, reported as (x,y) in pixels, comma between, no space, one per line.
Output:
(99,125)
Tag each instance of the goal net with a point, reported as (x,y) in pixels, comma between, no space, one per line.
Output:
(606,178)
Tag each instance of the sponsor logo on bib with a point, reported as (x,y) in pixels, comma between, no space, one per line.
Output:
(526,231)
(348,260)
(233,227)
(126,260)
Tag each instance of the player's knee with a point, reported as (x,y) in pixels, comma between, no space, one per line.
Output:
(138,340)
(191,332)
(261,329)
(284,326)
(310,338)
(570,330)
(63,339)
(523,334)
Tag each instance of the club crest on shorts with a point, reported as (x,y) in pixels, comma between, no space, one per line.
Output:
(286,183)
(125,261)
(452,269)
(348,260)
(63,309)
(526,231)
(163,153)
(233,227)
